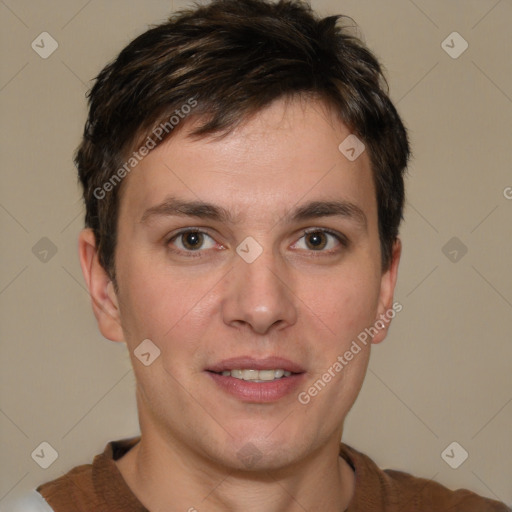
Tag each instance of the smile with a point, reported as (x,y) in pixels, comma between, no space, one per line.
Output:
(257,375)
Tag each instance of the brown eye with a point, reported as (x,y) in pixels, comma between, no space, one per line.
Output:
(192,240)
(322,241)
(316,240)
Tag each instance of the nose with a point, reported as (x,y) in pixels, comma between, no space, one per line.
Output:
(259,295)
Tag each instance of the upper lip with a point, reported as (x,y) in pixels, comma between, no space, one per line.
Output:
(251,363)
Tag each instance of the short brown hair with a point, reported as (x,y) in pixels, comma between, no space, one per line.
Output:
(232,58)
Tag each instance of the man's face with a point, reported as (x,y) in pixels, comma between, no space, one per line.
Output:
(297,306)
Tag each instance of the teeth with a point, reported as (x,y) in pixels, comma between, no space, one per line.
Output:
(266,375)
(257,375)
(250,375)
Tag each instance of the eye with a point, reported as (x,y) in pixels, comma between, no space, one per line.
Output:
(321,240)
(192,240)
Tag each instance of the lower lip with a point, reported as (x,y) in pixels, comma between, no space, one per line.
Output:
(258,392)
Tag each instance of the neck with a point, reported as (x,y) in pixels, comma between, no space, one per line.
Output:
(167,476)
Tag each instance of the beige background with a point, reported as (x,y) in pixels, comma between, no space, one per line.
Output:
(444,373)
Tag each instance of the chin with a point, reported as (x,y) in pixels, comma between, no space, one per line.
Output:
(264,452)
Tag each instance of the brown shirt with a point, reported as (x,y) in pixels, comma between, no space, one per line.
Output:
(99,487)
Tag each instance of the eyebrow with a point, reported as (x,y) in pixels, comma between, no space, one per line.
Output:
(177,207)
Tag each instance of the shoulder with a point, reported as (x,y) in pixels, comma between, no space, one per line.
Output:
(63,493)
(390,490)
(30,502)
(71,490)
(430,495)
(95,486)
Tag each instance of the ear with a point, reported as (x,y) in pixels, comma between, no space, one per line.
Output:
(101,290)
(387,290)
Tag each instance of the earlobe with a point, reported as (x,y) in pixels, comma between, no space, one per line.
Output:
(387,290)
(104,299)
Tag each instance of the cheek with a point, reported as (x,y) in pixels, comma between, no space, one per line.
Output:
(346,302)
(164,307)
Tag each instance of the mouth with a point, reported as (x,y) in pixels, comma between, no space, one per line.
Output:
(250,368)
(257,380)
(256,375)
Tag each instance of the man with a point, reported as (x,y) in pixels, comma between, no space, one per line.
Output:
(242,168)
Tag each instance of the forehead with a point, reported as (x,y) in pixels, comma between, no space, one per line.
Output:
(285,154)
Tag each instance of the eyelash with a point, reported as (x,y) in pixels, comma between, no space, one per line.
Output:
(342,239)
